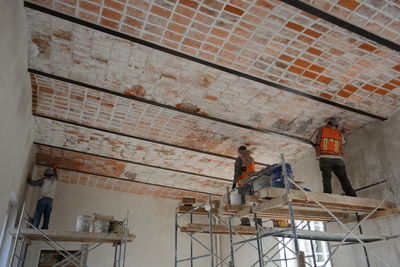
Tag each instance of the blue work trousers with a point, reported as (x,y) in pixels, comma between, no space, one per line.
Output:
(43,207)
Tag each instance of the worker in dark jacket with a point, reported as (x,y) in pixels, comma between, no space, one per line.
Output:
(47,190)
(244,167)
(328,141)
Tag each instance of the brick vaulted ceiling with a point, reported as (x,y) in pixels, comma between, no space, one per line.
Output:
(154,97)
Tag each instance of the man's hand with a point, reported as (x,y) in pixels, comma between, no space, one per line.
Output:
(54,166)
(30,176)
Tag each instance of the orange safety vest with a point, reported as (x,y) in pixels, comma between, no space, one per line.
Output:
(251,168)
(331,142)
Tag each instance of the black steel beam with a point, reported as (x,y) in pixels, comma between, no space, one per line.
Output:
(138,138)
(342,23)
(154,103)
(134,162)
(197,60)
(130,181)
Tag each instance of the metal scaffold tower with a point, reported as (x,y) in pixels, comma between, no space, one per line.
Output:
(27,233)
(290,203)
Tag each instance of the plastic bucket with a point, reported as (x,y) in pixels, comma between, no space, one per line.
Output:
(101,226)
(235,198)
(83,223)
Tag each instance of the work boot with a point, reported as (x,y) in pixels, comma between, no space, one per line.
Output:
(244,222)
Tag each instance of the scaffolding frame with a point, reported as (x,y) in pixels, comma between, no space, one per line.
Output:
(299,256)
(21,242)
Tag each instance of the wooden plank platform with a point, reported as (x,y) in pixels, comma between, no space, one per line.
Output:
(72,236)
(279,232)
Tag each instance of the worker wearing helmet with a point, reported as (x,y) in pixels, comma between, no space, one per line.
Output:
(47,190)
(328,141)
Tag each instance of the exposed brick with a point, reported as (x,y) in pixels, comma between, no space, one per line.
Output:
(397,68)
(349,4)
(368,47)
(310,75)
(177,28)
(210,97)
(344,93)
(294,26)
(185,11)
(286,58)
(312,33)
(302,63)
(89,6)
(114,4)
(264,4)
(381,91)
(295,70)
(109,23)
(160,11)
(314,51)
(324,79)
(192,43)
(219,33)
(350,88)
(369,87)
(234,10)
(108,13)
(189,3)
(325,95)
(389,86)
(396,82)
(133,22)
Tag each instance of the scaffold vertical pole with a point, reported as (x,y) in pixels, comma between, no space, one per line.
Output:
(17,235)
(290,205)
(259,243)
(231,242)
(211,230)
(312,246)
(176,239)
(191,241)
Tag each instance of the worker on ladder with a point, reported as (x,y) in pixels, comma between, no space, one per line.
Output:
(244,167)
(47,191)
(328,141)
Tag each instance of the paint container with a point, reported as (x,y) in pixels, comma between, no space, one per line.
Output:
(116,227)
(101,226)
(235,198)
(83,223)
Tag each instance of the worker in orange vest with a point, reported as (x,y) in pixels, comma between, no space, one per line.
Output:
(328,141)
(244,167)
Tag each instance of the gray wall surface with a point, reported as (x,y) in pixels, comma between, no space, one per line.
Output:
(15,105)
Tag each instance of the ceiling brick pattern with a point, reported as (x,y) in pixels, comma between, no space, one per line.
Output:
(111,145)
(380,17)
(267,39)
(80,162)
(101,182)
(88,107)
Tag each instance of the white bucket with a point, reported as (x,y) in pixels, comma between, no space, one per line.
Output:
(83,223)
(235,198)
(101,226)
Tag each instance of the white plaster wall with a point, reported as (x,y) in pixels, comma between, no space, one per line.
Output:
(150,218)
(372,154)
(15,113)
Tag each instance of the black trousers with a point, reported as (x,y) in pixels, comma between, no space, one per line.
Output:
(327,166)
(244,191)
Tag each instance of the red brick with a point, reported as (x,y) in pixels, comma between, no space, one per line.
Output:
(210,97)
(210,48)
(192,43)
(310,74)
(185,11)
(263,3)
(305,39)
(324,79)
(325,95)
(114,4)
(312,33)
(389,86)
(350,88)
(177,28)
(180,19)
(109,23)
(234,10)
(286,58)
(108,13)
(314,51)
(189,3)
(89,6)
(367,47)
(219,33)
(136,13)
(133,22)
(161,11)
(349,4)
(295,69)
(344,94)
(316,68)
(396,82)
(243,33)
(381,92)
(45,89)
(397,68)
(369,87)
(302,63)
(294,26)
